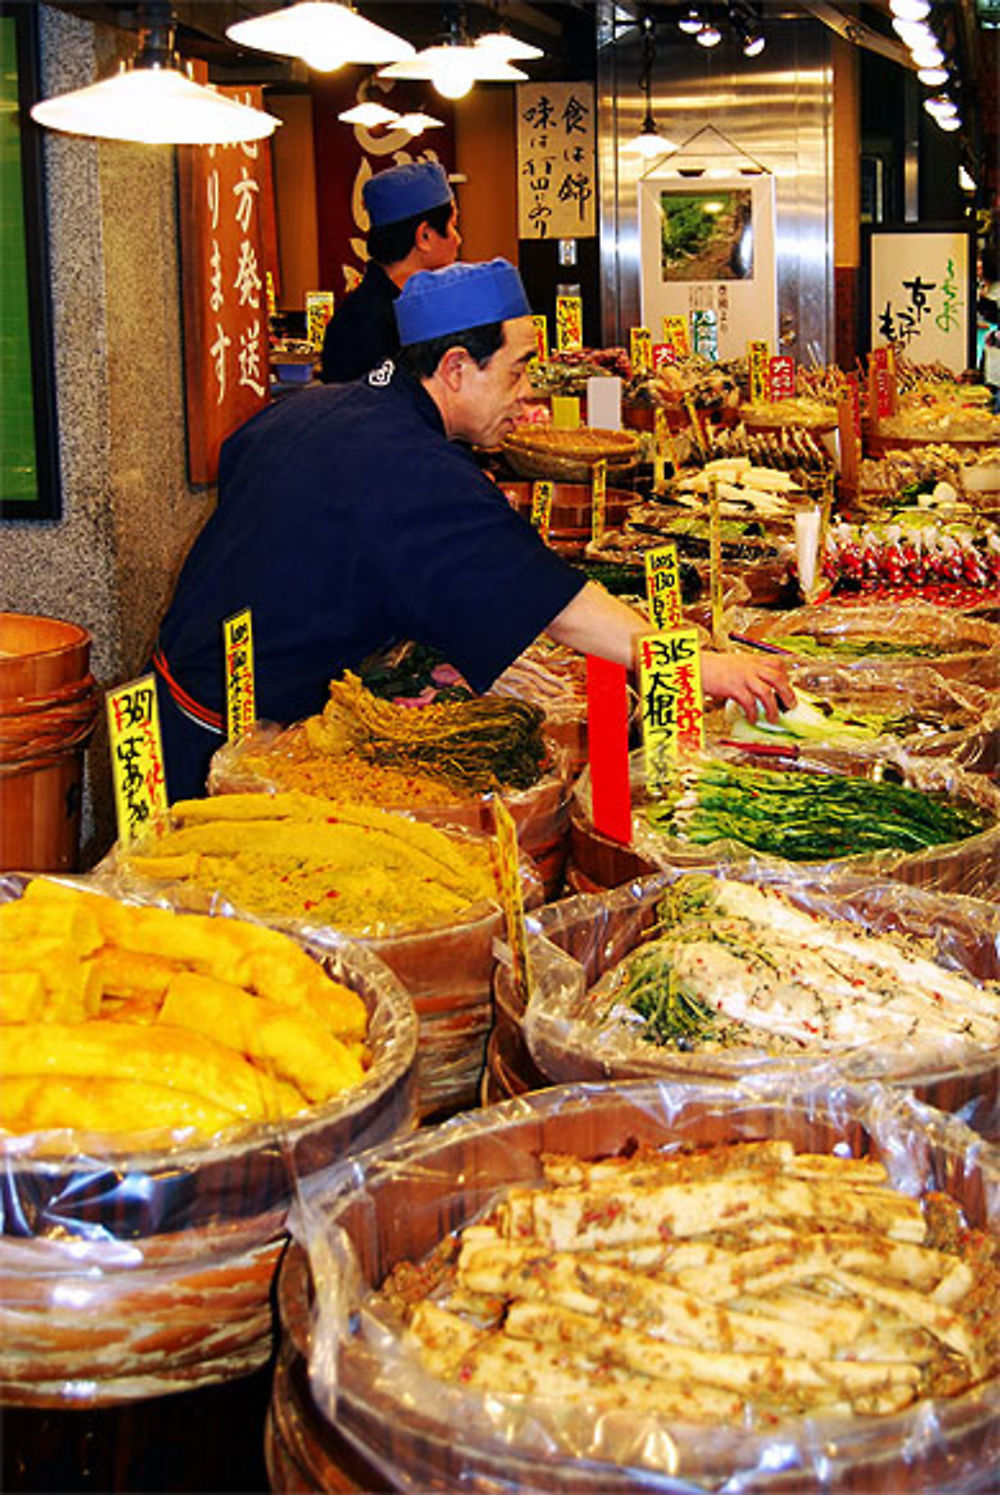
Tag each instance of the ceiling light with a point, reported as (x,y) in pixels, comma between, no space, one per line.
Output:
(940,104)
(649,142)
(949,122)
(324,33)
(368,114)
(929,56)
(965,181)
(508,47)
(910,10)
(454,67)
(933,77)
(692,20)
(708,36)
(912,32)
(152,101)
(754,44)
(417,122)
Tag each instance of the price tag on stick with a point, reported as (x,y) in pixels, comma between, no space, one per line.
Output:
(136,757)
(241,702)
(663,588)
(598,498)
(512,896)
(541,506)
(673,708)
(569,323)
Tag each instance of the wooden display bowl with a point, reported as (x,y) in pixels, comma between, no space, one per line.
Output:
(404,1198)
(133,1272)
(599,932)
(569,455)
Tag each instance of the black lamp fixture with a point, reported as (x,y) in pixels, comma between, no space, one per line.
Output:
(649,142)
(746,23)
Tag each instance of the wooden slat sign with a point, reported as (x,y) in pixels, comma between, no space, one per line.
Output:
(225,205)
(241,694)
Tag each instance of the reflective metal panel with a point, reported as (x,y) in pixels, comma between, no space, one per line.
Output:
(776,108)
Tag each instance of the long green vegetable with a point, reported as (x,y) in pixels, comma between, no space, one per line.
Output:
(805,816)
(870,648)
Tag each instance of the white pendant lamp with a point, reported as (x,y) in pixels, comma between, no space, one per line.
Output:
(453,67)
(508,47)
(325,34)
(153,101)
(649,143)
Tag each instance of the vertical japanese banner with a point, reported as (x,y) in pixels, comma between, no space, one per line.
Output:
(921,291)
(879,392)
(241,694)
(671,700)
(227,248)
(781,377)
(137,774)
(607,748)
(640,343)
(541,506)
(758,356)
(676,335)
(541,326)
(598,499)
(569,323)
(319,310)
(663,588)
(705,333)
(512,896)
(556,161)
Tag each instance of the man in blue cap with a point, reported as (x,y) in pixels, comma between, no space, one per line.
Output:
(413,225)
(355,516)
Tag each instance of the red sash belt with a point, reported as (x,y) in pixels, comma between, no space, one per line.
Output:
(203,715)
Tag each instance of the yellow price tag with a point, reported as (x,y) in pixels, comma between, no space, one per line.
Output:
(598,498)
(640,344)
(663,587)
(569,323)
(512,896)
(136,757)
(566,412)
(541,506)
(541,326)
(715,562)
(319,310)
(758,362)
(241,702)
(676,335)
(673,708)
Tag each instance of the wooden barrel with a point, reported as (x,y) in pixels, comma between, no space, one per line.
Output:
(404,1198)
(48,707)
(126,1274)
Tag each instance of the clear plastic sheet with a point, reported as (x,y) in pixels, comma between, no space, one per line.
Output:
(397,1202)
(573,943)
(134,1264)
(964,647)
(971,866)
(445,968)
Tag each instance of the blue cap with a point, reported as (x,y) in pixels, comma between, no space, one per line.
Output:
(402,191)
(436,302)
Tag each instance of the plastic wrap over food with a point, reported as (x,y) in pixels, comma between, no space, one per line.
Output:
(573,1035)
(422,1431)
(137,1262)
(969,864)
(924,711)
(888,638)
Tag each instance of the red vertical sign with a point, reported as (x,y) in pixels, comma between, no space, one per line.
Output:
(607,739)
(226,204)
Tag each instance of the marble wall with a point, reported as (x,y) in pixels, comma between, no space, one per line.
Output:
(129,513)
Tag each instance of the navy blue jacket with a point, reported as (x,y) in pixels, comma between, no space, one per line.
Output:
(362,332)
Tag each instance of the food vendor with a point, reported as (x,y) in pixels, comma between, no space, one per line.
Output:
(356,515)
(413,225)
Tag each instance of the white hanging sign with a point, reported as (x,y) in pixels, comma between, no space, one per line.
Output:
(556,161)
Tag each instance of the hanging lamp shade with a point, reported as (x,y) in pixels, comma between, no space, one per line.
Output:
(154,102)
(417,122)
(324,33)
(369,114)
(508,47)
(649,142)
(454,67)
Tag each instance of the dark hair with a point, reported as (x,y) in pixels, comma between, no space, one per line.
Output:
(421,359)
(391,242)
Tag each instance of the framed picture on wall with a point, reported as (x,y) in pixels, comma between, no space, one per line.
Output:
(29,447)
(920,291)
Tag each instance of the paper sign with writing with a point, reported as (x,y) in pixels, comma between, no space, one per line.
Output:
(705,333)
(556,161)
(921,291)
(566,412)
(758,355)
(136,757)
(241,705)
(640,343)
(782,377)
(676,335)
(715,562)
(663,587)
(512,895)
(598,498)
(569,323)
(541,506)
(663,355)
(319,310)
(227,245)
(541,326)
(671,699)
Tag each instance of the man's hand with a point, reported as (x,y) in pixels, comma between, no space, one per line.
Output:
(747,680)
